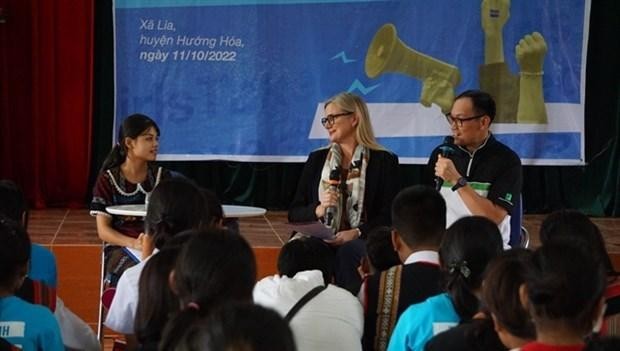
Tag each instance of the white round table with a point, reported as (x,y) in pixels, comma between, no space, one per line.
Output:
(230,211)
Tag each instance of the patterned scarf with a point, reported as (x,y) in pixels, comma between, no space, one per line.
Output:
(354,183)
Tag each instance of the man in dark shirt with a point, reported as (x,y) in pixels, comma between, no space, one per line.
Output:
(481,176)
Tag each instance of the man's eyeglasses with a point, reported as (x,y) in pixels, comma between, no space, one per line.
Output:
(459,121)
(330,119)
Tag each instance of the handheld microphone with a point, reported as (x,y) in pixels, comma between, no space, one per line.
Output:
(446,149)
(334,182)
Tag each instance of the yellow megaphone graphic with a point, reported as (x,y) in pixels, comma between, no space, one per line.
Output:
(387,53)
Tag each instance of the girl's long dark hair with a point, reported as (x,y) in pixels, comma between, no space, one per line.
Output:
(132,127)
(213,268)
(156,302)
(467,247)
(573,226)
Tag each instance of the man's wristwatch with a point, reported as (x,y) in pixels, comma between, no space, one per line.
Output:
(459,183)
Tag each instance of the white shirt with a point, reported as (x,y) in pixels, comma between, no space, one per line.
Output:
(332,320)
(457,209)
(122,313)
(423,256)
(428,256)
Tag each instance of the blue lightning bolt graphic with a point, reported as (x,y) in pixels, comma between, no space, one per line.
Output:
(343,56)
(357,85)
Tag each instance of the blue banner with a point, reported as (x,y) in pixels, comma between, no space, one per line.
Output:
(245,80)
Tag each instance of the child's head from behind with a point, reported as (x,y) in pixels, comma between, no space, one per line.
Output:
(175,205)
(239,327)
(467,247)
(12,202)
(564,288)
(14,254)
(214,266)
(156,301)
(419,216)
(504,276)
(380,250)
(575,227)
(306,253)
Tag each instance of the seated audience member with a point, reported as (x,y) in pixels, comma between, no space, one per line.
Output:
(380,254)
(216,212)
(564,295)
(466,249)
(239,327)
(333,318)
(574,227)
(505,324)
(175,205)
(39,287)
(32,327)
(13,204)
(419,221)
(214,268)
(156,301)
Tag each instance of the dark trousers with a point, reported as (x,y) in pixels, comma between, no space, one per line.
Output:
(348,258)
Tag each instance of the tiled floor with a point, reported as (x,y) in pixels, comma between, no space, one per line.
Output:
(59,227)
(71,235)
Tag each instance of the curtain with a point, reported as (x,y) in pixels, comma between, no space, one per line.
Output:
(46,98)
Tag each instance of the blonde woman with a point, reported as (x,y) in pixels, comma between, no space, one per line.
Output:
(368,181)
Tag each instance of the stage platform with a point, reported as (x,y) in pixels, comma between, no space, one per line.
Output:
(71,235)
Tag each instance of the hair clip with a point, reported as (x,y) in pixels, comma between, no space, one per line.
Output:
(461,267)
(193,305)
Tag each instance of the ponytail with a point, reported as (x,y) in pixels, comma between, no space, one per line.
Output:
(459,287)
(115,158)
(467,247)
(177,327)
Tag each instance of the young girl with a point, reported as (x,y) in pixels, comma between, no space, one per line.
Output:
(575,227)
(504,323)
(564,294)
(32,327)
(467,247)
(126,177)
(214,267)
(239,326)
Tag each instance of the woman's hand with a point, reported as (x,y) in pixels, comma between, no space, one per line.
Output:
(328,198)
(343,236)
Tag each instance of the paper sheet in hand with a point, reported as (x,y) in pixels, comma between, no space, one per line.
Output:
(315,229)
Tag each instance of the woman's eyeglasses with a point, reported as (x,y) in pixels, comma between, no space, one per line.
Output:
(329,120)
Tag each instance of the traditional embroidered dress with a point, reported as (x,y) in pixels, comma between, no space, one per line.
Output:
(112,189)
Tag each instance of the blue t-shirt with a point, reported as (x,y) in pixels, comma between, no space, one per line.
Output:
(420,322)
(29,326)
(42,265)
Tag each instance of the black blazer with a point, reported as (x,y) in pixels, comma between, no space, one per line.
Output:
(382,185)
